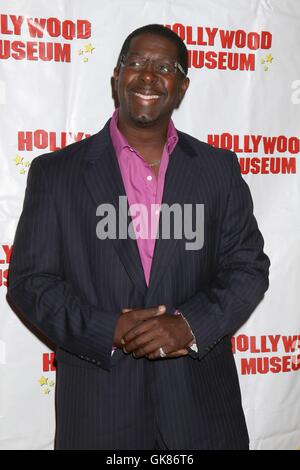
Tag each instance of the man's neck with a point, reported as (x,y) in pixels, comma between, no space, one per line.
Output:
(144,137)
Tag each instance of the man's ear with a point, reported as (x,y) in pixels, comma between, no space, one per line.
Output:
(116,77)
(183,89)
(184,86)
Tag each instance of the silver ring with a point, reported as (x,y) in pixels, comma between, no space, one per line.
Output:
(162,352)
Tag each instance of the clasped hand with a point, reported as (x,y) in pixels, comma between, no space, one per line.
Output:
(143,331)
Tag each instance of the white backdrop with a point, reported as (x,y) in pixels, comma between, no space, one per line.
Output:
(56,62)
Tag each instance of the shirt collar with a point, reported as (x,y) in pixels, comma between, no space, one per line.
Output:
(120,142)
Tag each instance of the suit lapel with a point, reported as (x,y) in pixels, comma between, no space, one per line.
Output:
(104,182)
(177,190)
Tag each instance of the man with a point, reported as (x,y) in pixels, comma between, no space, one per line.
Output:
(142,326)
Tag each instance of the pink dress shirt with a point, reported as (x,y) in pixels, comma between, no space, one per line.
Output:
(142,187)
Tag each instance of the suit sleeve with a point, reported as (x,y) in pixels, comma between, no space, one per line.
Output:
(36,283)
(241,277)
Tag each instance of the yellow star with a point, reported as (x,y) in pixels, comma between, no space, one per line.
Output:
(89,48)
(80,52)
(262,61)
(26,163)
(22,171)
(46,391)
(51,383)
(85,59)
(269,58)
(43,381)
(18,160)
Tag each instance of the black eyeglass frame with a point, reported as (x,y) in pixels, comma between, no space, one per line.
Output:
(176,64)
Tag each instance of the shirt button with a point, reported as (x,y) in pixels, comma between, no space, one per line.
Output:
(149,178)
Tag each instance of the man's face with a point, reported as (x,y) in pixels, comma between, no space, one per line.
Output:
(135,86)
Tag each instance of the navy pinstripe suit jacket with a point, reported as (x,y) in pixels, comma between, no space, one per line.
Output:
(72,286)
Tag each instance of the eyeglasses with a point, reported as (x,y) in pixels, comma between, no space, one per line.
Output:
(160,66)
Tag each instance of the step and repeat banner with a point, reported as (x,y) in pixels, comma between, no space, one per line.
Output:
(56,64)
